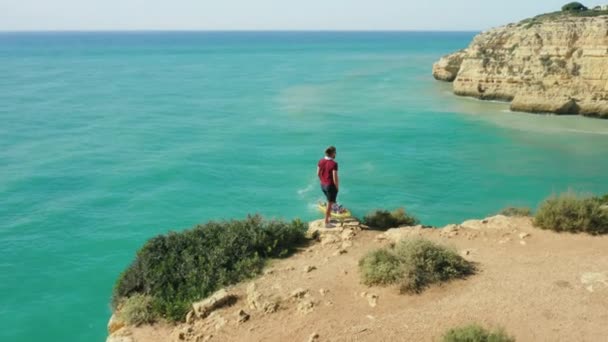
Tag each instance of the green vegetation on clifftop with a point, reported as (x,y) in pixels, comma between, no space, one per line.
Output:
(530,22)
(179,268)
(414,265)
(572,213)
(384,219)
(476,333)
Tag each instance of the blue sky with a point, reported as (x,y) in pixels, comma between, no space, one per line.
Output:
(268,14)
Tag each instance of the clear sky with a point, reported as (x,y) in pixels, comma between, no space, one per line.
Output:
(268,14)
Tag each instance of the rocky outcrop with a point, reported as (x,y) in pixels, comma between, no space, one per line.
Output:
(447,68)
(554,64)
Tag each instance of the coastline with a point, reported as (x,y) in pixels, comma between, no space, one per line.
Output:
(524,271)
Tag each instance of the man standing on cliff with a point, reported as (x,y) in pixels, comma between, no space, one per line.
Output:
(327,170)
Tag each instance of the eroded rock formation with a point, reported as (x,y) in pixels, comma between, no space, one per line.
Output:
(557,64)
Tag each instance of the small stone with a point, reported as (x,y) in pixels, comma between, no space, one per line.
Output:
(268,271)
(524,235)
(203,338)
(345,272)
(313,337)
(309,268)
(372,300)
(242,316)
(340,252)
(306,306)
(503,241)
(323,292)
(299,293)
(190,316)
(363,294)
(329,303)
(522,242)
(270,307)
(465,252)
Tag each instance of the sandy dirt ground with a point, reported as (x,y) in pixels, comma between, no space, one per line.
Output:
(538,285)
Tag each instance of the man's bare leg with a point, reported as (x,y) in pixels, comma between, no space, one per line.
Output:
(328,212)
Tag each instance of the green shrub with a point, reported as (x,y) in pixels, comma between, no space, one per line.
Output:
(426,263)
(603,199)
(383,219)
(516,211)
(571,213)
(574,7)
(414,264)
(380,267)
(178,269)
(475,333)
(137,310)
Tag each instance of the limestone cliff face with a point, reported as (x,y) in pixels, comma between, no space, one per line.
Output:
(557,65)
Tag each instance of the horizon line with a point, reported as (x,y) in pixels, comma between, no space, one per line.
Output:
(236,30)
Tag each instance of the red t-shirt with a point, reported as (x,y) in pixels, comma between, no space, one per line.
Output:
(326,168)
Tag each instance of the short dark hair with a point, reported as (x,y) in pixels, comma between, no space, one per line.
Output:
(330,150)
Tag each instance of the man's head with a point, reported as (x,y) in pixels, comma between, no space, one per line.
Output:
(330,152)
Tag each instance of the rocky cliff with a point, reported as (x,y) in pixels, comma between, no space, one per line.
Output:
(539,285)
(552,63)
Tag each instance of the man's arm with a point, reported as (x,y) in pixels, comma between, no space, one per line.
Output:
(318,170)
(335,175)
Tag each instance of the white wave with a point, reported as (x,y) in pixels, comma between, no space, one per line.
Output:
(306,190)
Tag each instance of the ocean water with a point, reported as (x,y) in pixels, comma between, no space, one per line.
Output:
(107,139)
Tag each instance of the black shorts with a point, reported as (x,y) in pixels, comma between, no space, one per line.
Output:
(331,192)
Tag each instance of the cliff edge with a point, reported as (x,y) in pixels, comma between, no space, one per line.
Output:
(539,285)
(554,63)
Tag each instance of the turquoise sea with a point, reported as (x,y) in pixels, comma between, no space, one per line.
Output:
(107,139)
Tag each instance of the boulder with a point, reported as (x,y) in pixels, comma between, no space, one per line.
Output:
(219,299)
(447,68)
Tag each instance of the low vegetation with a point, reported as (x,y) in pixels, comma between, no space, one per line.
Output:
(476,333)
(569,212)
(516,212)
(177,269)
(384,219)
(574,7)
(602,199)
(137,310)
(413,265)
